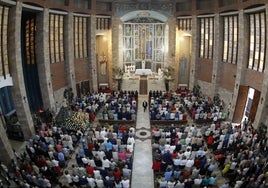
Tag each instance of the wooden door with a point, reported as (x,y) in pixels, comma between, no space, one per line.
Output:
(254,106)
(240,103)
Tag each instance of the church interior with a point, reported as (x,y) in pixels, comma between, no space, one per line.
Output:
(133,93)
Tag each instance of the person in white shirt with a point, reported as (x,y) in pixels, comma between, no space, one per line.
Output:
(130,147)
(187,153)
(68,177)
(125,183)
(189,164)
(99,182)
(55,163)
(197,181)
(162,183)
(131,140)
(106,163)
(91,182)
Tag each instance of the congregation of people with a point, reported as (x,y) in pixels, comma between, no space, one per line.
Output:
(203,109)
(120,106)
(193,156)
(184,156)
(102,154)
(166,106)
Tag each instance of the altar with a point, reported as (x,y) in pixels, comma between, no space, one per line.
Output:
(143,72)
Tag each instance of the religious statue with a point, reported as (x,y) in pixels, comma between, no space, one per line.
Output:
(160,72)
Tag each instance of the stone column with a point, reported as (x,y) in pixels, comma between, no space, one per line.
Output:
(92,54)
(110,58)
(241,58)
(261,115)
(117,41)
(117,46)
(217,54)
(195,51)
(172,24)
(42,58)
(6,151)
(69,51)
(18,90)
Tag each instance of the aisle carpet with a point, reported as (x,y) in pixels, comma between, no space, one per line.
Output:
(143,85)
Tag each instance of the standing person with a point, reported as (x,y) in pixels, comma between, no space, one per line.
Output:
(144,104)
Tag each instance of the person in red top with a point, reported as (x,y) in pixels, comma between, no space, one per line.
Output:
(174,155)
(92,116)
(210,140)
(90,170)
(121,128)
(90,146)
(156,166)
(117,174)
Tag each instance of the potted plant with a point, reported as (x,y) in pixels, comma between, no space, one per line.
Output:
(117,73)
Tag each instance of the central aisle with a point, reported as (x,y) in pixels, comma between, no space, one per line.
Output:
(142,173)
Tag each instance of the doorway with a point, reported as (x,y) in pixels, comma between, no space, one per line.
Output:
(247,104)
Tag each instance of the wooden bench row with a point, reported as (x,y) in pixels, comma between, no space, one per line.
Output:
(153,122)
(168,122)
(110,121)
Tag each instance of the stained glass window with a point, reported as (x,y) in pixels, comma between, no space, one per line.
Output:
(230,38)
(4,68)
(29,41)
(56,47)
(257,41)
(206,37)
(80,37)
(143,41)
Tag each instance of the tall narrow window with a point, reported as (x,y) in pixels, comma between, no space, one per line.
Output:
(257,41)
(56,38)
(29,41)
(80,37)
(230,37)
(6,102)
(102,23)
(206,37)
(185,24)
(4,68)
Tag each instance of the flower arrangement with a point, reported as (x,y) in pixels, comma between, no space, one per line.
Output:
(78,121)
(117,73)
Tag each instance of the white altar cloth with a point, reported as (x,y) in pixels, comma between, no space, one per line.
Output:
(143,71)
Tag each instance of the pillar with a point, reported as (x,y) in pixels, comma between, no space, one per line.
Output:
(6,151)
(261,115)
(172,24)
(92,54)
(195,52)
(117,46)
(42,58)
(69,51)
(217,62)
(241,58)
(18,89)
